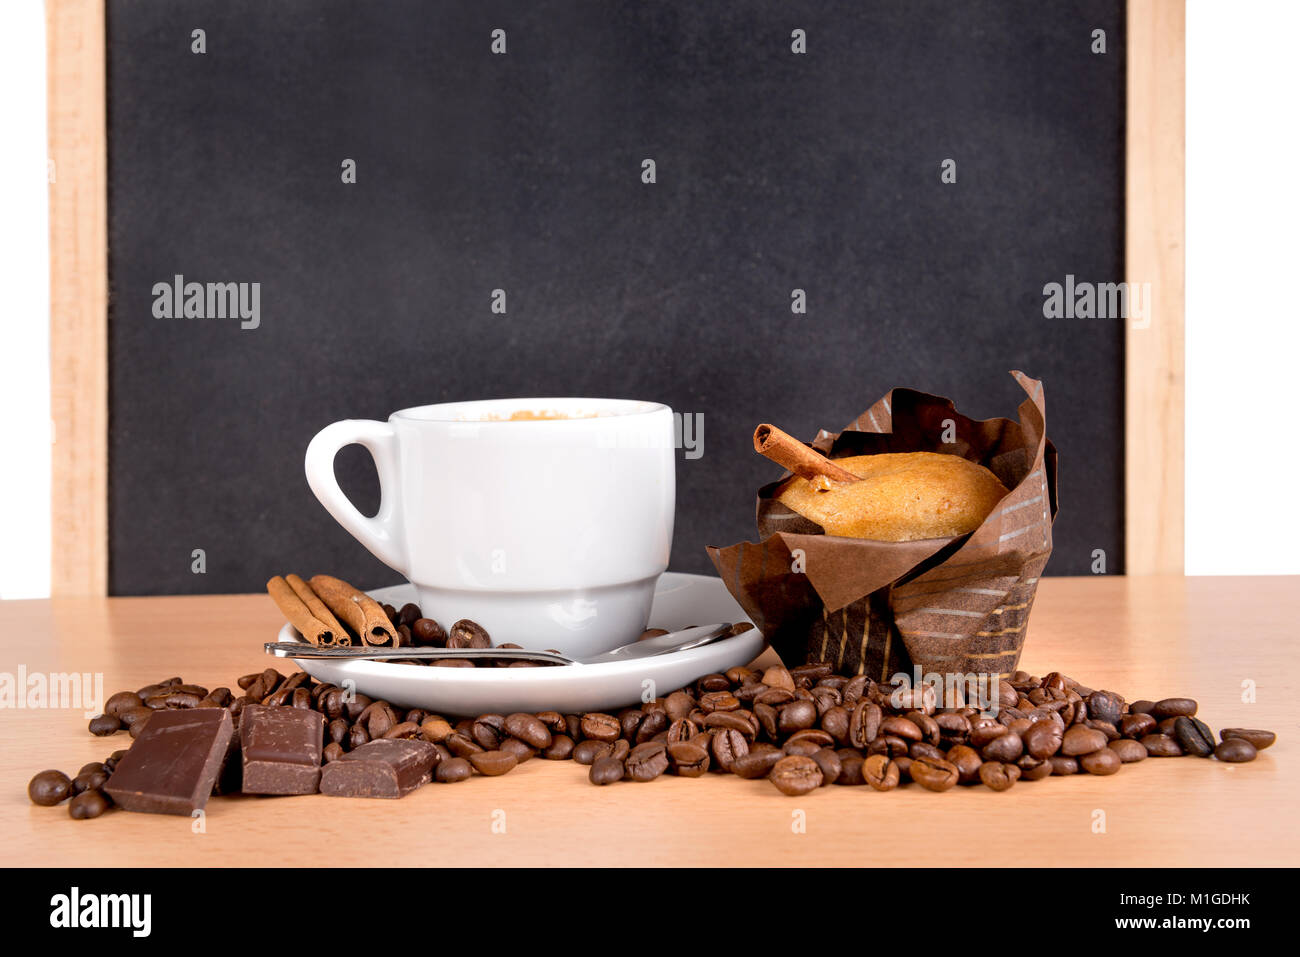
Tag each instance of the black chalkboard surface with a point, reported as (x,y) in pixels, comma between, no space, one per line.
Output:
(236,126)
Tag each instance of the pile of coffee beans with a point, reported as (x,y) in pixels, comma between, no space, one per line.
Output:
(800,728)
(88,800)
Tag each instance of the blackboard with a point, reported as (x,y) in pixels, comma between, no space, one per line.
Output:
(775,170)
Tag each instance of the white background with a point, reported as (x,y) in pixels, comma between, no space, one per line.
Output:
(1243,321)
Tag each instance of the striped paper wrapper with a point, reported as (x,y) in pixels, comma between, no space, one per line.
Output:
(951,606)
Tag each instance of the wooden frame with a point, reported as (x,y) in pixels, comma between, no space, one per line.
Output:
(79,291)
(78,296)
(1154,253)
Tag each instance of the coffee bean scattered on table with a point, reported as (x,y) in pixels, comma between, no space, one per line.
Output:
(802,728)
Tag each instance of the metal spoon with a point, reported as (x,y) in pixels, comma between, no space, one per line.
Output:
(692,637)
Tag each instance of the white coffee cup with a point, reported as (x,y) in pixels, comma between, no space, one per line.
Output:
(549,533)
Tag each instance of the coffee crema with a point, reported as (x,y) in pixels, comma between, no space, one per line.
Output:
(539,415)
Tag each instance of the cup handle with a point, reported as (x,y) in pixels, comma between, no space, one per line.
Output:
(382,535)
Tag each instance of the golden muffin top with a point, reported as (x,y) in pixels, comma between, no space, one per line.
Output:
(903,497)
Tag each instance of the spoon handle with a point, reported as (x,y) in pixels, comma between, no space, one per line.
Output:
(300,649)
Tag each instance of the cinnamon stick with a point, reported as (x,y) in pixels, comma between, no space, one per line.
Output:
(787,451)
(300,616)
(358,610)
(318,609)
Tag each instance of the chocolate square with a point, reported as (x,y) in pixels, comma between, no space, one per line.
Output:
(281,749)
(173,764)
(390,768)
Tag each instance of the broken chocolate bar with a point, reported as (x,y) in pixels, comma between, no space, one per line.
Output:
(281,749)
(390,768)
(173,764)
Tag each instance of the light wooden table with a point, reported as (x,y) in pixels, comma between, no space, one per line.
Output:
(1214,639)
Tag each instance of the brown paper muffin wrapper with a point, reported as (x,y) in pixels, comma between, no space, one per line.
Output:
(952,606)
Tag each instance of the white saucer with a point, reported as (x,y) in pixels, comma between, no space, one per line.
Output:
(680,600)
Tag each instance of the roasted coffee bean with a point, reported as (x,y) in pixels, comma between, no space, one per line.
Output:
(1032,768)
(353,709)
(301,698)
(1258,738)
(468,634)
(1136,725)
(713,682)
(1063,764)
(1141,706)
(953,727)
(653,725)
(773,697)
(647,761)
(1105,706)
(521,750)
(1043,739)
(435,729)
(493,763)
(606,770)
(733,720)
(880,771)
(560,748)
(689,760)
(89,804)
(900,727)
(712,701)
(865,723)
(586,751)
(998,776)
(337,731)
(451,770)
(984,730)
(488,731)
(934,774)
(122,702)
(678,705)
(48,788)
(727,746)
(851,769)
(683,729)
(1129,751)
(967,761)
(405,730)
(1105,727)
(380,719)
(1082,740)
(1006,747)
(357,736)
(1174,708)
(1101,761)
(797,715)
(409,614)
(331,752)
(1166,726)
(1161,746)
(102,725)
(1236,750)
(757,762)
(796,774)
(528,729)
(427,633)
(600,727)
(462,745)
(629,721)
(805,748)
(830,764)
(923,749)
(1194,736)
